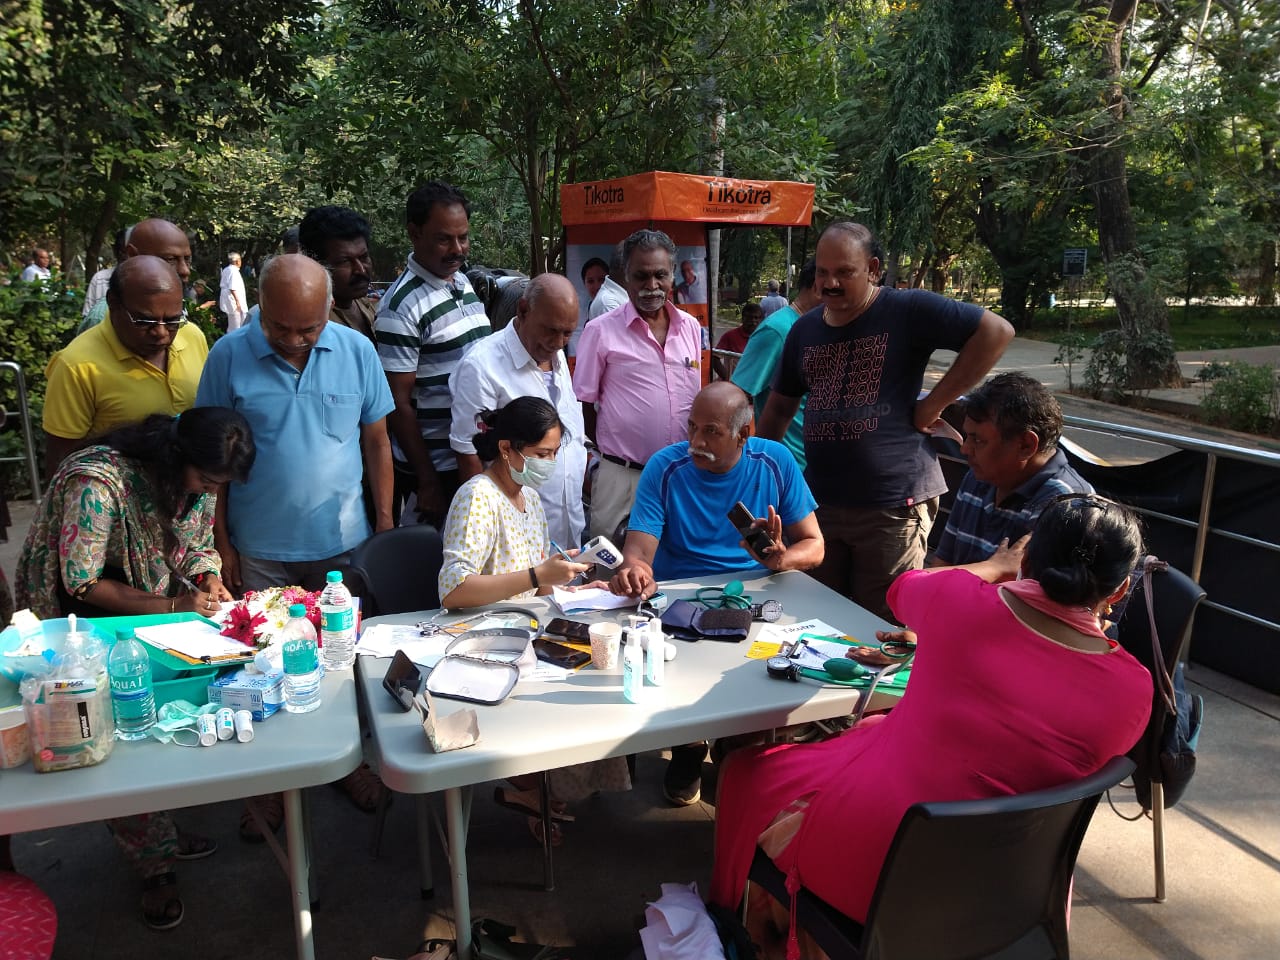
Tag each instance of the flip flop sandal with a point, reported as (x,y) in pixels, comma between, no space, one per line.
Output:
(271,809)
(492,941)
(171,912)
(501,798)
(192,846)
(535,828)
(363,788)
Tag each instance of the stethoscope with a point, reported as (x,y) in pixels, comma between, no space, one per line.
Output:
(732,596)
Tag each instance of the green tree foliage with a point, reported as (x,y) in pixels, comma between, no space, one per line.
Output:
(105,96)
(538,93)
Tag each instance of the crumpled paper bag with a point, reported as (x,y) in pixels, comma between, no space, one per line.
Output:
(678,926)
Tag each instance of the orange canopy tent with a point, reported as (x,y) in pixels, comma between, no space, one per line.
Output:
(598,214)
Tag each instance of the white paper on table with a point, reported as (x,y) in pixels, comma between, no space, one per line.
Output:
(677,926)
(547,671)
(192,639)
(788,632)
(588,599)
(384,639)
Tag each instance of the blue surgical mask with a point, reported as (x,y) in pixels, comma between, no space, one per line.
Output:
(535,472)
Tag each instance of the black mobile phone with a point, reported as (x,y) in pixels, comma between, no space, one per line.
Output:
(559,655)
(403,680)
(756,538)
(574,630)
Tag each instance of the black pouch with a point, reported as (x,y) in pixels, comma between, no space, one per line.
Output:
(688,621)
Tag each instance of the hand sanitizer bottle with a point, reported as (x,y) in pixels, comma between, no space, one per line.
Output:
(655,653)
(632,668)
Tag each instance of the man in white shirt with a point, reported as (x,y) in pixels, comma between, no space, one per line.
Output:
(526,359)
(96,290)
(37,271)
(232,300)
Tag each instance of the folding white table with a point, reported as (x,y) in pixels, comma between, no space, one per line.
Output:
(288,752)
(711,690)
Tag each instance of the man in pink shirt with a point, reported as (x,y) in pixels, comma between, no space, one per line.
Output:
(637,372)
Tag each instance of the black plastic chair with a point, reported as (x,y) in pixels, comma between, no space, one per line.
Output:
(1176,598)
(398,570)
(965,879)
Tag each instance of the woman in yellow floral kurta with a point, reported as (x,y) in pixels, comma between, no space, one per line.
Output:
(496,548)
(119,520)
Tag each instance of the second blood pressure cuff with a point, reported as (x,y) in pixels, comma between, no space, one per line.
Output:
(688,621)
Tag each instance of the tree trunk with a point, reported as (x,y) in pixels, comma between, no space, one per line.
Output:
(1151,362)
(1267,253)
(106,218)
(1015,291)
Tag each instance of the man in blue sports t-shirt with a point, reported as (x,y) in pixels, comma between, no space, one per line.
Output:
(679,524)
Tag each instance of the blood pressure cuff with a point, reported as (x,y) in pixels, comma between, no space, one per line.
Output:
(689,621)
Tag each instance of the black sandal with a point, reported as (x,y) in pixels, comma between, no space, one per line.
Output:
(171,913)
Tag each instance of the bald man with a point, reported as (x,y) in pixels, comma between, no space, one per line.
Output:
(680,527)
(317,399)
(526,359)
(679,523)
(152,237)
(232,300)
(147,360)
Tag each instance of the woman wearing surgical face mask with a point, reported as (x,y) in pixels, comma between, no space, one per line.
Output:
(495,538)
(496,548)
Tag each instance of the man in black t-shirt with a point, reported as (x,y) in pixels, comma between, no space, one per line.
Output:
(861,358)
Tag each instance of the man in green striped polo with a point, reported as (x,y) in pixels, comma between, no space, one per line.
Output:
(426,323)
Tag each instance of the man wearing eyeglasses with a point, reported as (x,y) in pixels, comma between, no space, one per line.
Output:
(156,238)
(146,360)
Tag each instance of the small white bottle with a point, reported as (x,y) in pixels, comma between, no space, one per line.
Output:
(632,668)
(655,653)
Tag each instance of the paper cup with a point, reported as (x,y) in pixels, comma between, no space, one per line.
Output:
(605,640)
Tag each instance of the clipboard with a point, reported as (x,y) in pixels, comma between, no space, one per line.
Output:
(196,642)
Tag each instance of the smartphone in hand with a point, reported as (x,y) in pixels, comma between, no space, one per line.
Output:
(756,538)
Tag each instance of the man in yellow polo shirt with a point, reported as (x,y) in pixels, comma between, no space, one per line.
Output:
(146,360)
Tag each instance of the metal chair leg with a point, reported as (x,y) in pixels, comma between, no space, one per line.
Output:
(1157,832)
(548,868)
(423,810)
(379,824)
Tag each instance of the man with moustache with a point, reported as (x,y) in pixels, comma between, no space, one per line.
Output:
(861,359)
(425,324)
(153,237)
(679,524)
(146,360)
(637,372)
(338,239)
(526,359)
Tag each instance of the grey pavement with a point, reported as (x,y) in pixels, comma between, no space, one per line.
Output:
(1223,850)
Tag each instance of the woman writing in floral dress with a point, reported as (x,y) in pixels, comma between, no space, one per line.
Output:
(123,523)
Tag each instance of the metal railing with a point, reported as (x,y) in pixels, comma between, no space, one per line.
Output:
(24,414)
(1213,452)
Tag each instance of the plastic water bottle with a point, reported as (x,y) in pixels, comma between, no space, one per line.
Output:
(132,700)
(337,623)
(301,668)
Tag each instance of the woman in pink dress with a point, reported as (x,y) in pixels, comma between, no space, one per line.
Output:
(1014,688)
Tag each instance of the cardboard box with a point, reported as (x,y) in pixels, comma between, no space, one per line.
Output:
(262,694)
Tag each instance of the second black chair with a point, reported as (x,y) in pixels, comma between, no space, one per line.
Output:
(965,879)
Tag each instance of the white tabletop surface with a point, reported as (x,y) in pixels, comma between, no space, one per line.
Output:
(711,690)
(289,751)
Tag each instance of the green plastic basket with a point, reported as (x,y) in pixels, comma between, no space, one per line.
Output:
(172,678)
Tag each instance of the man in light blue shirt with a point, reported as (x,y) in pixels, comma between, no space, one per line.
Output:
(316,397)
